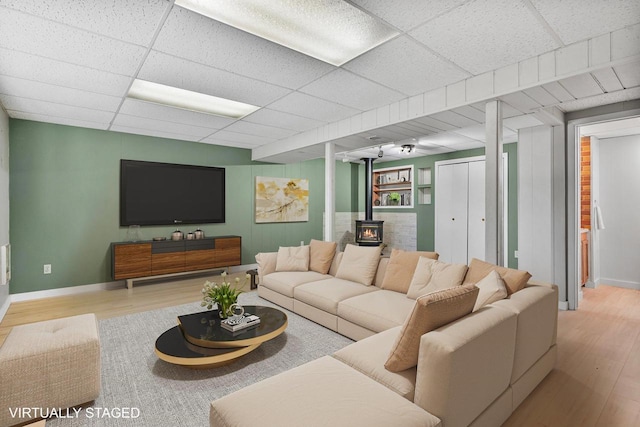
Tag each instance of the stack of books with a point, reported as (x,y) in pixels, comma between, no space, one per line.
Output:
(234,324)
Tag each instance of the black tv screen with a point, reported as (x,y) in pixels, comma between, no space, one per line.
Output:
(162,193)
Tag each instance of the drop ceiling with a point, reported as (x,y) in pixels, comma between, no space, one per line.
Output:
(72,63)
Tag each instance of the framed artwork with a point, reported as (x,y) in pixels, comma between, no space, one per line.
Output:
(282,199)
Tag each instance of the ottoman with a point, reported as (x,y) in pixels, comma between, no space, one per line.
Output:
(51,364)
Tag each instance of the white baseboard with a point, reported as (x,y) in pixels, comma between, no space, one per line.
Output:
(563,305)
(72,290)
(619,283)
(5,308)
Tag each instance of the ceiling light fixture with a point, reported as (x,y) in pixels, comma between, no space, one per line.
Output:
(188,100)
(407,149)
(380,152)
(332,31)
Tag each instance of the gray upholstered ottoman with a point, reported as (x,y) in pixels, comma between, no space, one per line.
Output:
(51,364)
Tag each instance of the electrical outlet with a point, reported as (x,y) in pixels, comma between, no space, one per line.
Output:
(47,269)
(515,254)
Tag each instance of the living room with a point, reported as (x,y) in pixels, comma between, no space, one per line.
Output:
(61,147)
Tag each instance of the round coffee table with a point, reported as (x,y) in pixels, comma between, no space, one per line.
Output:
(200,342)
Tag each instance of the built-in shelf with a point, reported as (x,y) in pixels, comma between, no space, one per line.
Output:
(424,186)
(388,182)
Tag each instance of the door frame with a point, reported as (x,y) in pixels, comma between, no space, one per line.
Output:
(505,162)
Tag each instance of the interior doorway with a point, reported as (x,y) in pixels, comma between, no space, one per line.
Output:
(602,225)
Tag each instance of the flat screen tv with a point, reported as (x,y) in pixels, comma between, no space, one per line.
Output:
(162,193)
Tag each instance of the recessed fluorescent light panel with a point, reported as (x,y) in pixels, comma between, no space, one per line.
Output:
(188,100)
(332,31)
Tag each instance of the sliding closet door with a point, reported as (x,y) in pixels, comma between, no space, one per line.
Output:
(476,222)
(452,187)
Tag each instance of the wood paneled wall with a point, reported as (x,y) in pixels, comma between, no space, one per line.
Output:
(585,182)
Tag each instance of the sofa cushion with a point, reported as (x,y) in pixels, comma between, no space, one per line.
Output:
(431,275)
(335,263)
(491,288)
(284,282)
(266,262)
(359,264)
(430,312)
(293,258)
(326,294)
(369,355)
(376,311)
(514,279)
(321,255)
(325,392)
(401,267)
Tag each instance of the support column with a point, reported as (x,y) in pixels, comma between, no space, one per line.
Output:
(329,191)
(494,201)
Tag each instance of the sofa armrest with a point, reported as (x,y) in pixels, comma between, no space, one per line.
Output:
(466,365)
(266,264)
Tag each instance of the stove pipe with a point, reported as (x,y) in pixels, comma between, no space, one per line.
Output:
(368,188)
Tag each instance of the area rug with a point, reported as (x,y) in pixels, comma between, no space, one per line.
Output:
(138,389)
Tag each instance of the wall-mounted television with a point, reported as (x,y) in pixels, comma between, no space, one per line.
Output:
(162,193)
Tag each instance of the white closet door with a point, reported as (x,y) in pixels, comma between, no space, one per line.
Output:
(476,222)
(451,212)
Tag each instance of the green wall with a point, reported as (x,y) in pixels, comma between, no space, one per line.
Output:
(426,213)
(64,192)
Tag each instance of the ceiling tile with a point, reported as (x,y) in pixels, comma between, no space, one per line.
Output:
(401,64)
(436,124)
(45,92)
(195,132)
(265,116)
(128,20)
(417,127)
(406,14)
(469,145)
(541,96)
(52,109)
(483,35)
(521,102)
(581,86)
(349,89)
(477,132)
(558,91)
(260,130)
(134,107)
(471,113)
(575,20)
(240,137)
(629,74)
(46,70)
(153,132)
(26,33)
(200,39)
(312,107)
(214,141)
(177,72)
(608,79)
(454,119)
(448,139)
(58,120)
(519,122)
(602,99)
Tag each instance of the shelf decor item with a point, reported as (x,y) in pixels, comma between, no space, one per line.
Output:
(394,199)
(224,295)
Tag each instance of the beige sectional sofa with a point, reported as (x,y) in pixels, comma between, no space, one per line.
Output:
(473,371)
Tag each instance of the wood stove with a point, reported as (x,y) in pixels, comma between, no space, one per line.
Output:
(368,232)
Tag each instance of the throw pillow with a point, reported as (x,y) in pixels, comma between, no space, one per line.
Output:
(321,255)
(359,264)
(432,275)
(491,288)
(294,258)
(514,279)
(430,312)
(401,267)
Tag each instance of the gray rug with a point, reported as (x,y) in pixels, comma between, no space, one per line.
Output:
(169,395)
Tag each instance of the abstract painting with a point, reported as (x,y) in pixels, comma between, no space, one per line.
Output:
(282,199)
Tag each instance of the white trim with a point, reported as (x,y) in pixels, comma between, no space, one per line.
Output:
(5,308)
(619,283)
(74,290)
(563,305)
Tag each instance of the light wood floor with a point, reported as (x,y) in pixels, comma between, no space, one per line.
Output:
(596,381)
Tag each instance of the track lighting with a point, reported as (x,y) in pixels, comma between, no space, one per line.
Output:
(407,148)
(380,152)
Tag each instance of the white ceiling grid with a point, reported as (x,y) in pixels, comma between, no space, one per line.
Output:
(72,63)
